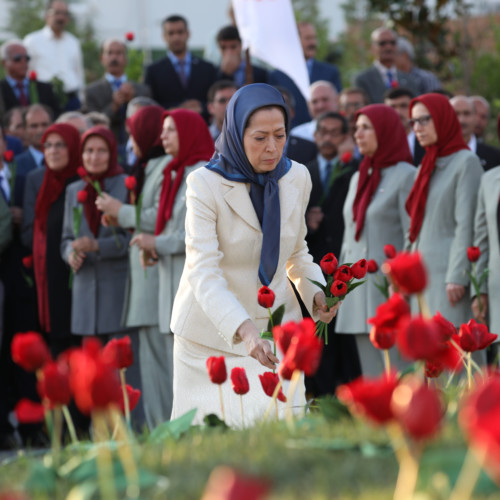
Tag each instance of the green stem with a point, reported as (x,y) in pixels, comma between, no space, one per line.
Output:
(126,402)
(69,423)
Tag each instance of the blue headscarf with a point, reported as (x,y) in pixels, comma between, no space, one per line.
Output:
(231,162)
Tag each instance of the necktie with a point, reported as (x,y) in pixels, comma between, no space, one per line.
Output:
(117,83)
(22,96)
(390,78)
(182,72)
(327,174)
(3,190)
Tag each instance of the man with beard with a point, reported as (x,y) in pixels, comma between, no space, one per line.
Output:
(331,173)
(111,94)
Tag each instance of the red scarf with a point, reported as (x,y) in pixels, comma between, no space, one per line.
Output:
(53,185)
(195,144)
(449,141)
(92,214)
(392,147)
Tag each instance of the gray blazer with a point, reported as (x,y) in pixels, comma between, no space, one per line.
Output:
(171,249)
(99,285)
(447,231)
(386,222)
(486,237)
(141,297)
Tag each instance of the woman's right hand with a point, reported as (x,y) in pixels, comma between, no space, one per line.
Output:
(479,313)
(75,260)
(257,347)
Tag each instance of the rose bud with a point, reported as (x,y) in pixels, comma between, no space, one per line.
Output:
(129,36)
(359,269)
(239,380)
(133,398)
(473,253)
(82,172)
(269,381)
(130,182)
(54,383)
(474,336)
(328,263)
(387,317)
(382,339)
(118,352)
(29,351)
(283,335)
(408,272)
(82,196)
(265,297)
(343,273)
(390,251)
(8,155)
(216,367)
(433,369)
(304,353)
(346,157)
(394,84)
(32,75)
(28,261)
(338,288)
(419,338)
(372,266)
(29,412)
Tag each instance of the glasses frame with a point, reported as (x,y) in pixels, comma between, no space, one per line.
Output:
(422,121)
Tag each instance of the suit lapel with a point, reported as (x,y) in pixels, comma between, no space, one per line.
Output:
(289,197)
(238,198)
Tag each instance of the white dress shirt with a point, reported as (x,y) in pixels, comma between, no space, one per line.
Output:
(473,144)
(305,130)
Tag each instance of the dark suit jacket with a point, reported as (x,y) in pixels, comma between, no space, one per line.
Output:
(301,150)
(488,155)
(45,95)
(166,87)
(24,165)
(320,71)
(372,83)
(98,96)
(259,75)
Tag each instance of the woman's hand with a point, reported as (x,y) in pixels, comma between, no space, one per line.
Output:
(145,242)
(480,315)
(109,205)
(75,260)
(85,244)
(455,293)
(258,348)
(326,315)
(147,259)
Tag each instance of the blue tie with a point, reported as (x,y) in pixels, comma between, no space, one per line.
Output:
(117,83)
(390,78)
(327,174)
(182,72)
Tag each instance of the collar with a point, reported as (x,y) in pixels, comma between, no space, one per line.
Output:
(384,69)
(473,144)
(37,156)
(175,59)
(13,83)
(111,79)
(47,31)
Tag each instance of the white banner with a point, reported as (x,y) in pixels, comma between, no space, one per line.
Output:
(269,30)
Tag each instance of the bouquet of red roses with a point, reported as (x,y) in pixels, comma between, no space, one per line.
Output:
(339,282)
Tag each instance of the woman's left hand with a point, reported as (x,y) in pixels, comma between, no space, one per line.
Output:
(455,293)
(326,315)
(85,244)
(109,205)
(145,242)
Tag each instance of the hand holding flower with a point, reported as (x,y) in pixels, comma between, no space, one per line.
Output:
(455,293)
(145,242)
(75,260)
(325,315)
(85,244)
(108,205)
(257,348)
(479,307)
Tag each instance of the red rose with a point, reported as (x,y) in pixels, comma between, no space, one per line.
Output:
(269,381)
(130,182)
(474,336)
(82,172)
(473,253)
(283,335)
(8,155)
(372,266)
(118,352)
(239,380)
(359,269)
(328,263)
(28,261)
(419,338)
(390,251)
(408,272)
(29,412)
(417,408)
(338,288)
(32,75)
(346,157)
(370,397)
(133,398)
(29,351)
(343,273)
(265,297)
(129,36)
(433,369)
(216,367)
(394,84)
(82,196)
(54,383)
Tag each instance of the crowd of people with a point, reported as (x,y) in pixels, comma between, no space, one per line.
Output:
(157,209)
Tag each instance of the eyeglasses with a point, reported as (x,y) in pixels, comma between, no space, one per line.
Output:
(383,43)
(54,145)
(333,133)
(222,100)
(20,57)
(422,121)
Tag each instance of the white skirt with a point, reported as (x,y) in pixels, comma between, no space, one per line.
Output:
(193,388)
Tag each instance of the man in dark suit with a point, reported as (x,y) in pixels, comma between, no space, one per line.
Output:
(179,76)
(383,74)
(464,108)
(111,94)
(17,89)
(325,224)
(317,71)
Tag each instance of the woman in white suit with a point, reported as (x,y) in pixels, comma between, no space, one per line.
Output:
(245,228)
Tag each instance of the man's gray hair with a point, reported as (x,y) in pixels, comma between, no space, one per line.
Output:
(4,49)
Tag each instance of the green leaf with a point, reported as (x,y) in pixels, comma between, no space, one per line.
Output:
(138,209)
(97,187)
(277,316)
(353,286)
(323,287)
(266,335)
(212,420)
(77,219)
(331,301)
(42,479)
(173,428)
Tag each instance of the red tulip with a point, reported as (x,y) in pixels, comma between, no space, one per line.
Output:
(370,397)
(473,253)
(265,297)
(343,273)
(105,389)
(338,288)
(346,157)
(54,383)
(118,352)
(239,380)
(269,381)
(372,266)
(29,351)
(390,251)
(8,155)
(29,412)
(474,336)
(129,36)
(419,338)
(446,327)
(417,408)
(216,367)
(359,269)
(28,261)
(329,263)
(82,172)
(32,75)
(283,335)
(394,84)
(382,339)
(130,182)
(133,398)
(408,272)
(82,196)
(433,369)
